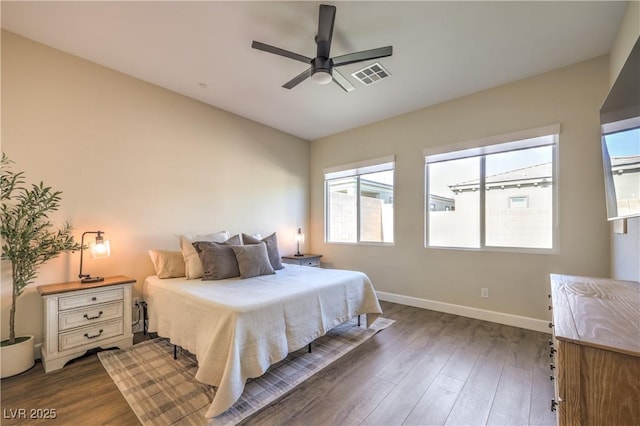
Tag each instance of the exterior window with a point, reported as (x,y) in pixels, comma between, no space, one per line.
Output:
(359,202)
(499,195)
(518,202)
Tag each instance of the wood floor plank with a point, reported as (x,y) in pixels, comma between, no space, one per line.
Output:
(408,354)
(436,403)
(399,403)
(542,389)
(513,397)
(474,401)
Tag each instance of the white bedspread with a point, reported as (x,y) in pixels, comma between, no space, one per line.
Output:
(238,327)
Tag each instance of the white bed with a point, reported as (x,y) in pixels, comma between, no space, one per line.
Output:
(238,327)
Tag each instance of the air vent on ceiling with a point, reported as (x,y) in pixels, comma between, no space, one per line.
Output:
(371,74)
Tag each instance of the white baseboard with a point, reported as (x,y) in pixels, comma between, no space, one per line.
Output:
(466,311)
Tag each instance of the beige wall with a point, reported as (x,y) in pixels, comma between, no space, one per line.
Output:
(140,163)
(625,248)
(518,283)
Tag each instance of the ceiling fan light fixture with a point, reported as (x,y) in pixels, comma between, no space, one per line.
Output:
(322,77)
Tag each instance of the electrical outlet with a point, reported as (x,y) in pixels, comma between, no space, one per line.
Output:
(136,301)
(484,292)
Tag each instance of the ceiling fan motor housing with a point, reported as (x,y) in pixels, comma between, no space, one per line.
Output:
(321,65)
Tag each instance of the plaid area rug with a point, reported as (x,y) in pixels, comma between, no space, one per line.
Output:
(164,391)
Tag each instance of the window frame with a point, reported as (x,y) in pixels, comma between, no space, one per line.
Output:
(357,169)
(482,148)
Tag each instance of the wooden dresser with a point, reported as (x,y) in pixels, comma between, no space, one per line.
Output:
(595,351)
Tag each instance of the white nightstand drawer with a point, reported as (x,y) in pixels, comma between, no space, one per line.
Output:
(90,335)
(310,262)
(89,315)
(90,298)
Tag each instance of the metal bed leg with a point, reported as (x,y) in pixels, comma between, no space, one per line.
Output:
(309,349)
(358,320)
(175,352)
(145,319)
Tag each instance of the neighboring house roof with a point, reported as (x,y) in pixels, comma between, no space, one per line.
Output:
(537,175)
(626,164)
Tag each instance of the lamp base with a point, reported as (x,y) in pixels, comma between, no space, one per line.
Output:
(299,254)
(91,279)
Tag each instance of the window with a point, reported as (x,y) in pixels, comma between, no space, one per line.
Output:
(359,202)
(518,202)
(499,194)
(621,156)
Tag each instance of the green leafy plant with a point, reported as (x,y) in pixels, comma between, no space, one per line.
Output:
(28,236)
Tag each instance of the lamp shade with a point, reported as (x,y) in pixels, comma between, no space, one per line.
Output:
(99,249)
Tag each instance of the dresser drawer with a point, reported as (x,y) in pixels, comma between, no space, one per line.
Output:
(305,260)
(90,298)
(310,262)
(89,315)
(91,335)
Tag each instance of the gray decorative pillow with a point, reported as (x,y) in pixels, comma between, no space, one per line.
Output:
(218,260)
(253,260)
(193,266)
(272,248)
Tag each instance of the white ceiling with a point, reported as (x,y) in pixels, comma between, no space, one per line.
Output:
(441,50)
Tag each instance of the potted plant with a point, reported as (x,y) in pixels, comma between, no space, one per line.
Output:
(28,241)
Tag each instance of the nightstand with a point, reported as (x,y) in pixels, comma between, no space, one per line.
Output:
(82,316)
(304,260)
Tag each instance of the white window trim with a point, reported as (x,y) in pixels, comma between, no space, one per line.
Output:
(484,147)
(360,168)
(381,164)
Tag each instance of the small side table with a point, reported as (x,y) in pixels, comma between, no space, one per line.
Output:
(304,260)
(82,316)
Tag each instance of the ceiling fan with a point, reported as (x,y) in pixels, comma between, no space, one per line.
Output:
(322,67)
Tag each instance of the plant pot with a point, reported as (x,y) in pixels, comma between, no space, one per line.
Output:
(18,357)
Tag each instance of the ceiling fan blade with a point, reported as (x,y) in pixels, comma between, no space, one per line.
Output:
(342,81)
(326,20)
(277,51)
(297,79)
(365,55)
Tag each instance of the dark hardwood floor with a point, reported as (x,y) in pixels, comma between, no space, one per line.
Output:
(429,368)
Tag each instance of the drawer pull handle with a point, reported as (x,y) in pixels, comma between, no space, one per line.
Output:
(92,318)
(552,367)
(551,352)
(551,378)
(550,325)
(554,404)
(94,336)
(93,299)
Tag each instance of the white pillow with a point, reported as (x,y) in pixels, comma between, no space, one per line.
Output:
(192,264)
